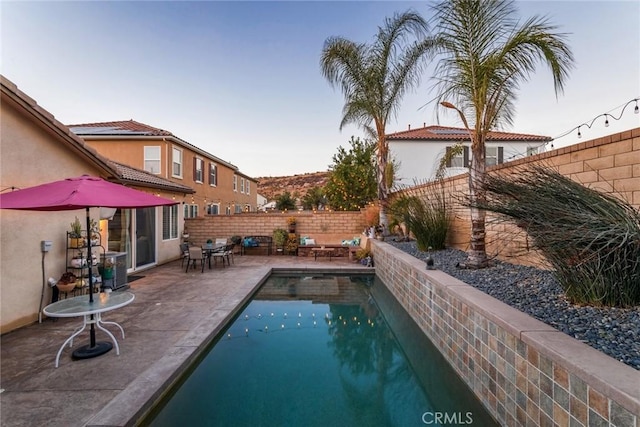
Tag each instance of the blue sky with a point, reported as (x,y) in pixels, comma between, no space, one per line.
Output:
(242,80)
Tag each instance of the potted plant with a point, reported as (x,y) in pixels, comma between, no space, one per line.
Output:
(94,232)
(75,235)
(291,224)
(279,238)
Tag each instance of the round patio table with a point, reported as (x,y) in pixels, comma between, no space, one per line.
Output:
(91,313)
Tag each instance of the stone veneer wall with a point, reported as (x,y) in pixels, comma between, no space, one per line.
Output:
(525,372)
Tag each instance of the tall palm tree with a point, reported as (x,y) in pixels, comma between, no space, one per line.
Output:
(374,78)
(487,52)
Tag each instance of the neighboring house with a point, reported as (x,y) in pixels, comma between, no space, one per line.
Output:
(419,151)
(220,188)
(261,201)
(36,148)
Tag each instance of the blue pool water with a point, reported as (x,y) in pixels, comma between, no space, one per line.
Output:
(322,351)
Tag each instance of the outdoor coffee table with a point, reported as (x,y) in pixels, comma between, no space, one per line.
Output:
(91,313)
(316,251)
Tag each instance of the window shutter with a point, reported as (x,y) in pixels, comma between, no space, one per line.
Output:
(465,161)
(195,173)
(215,174)
(211,174)
(500,155)
(448,156)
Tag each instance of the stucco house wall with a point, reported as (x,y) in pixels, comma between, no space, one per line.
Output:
(129,150)
(418,152)
(37,159)
(35,148)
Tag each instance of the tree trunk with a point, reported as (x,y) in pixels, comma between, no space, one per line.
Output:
(383,191)
(477,254)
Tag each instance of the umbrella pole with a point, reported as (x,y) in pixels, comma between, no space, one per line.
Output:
(93,349)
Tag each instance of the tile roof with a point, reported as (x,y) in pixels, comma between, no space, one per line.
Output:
(140,177)
(127,127)
(443,133)
(134,129)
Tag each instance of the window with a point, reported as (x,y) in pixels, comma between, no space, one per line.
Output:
(457,156)
(247,186)
(532,151)
(213,175)
(238,209)
(169,222)
(242,185)
(493,155)
(235,182)
(152,159)
(190,211)
(213,209)
(198,170)
(228,210)
(177,162)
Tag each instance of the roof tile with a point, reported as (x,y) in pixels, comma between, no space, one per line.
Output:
(440,133)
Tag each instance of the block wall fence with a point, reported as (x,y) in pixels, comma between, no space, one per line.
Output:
(526,373)
(200,229)
(610,164)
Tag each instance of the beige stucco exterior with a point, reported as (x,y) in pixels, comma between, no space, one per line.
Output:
(35,149)
(130,151)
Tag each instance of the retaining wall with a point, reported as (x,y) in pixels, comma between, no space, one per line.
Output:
(525,372)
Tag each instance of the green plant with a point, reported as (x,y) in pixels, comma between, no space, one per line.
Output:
(374,77)
(486,53)
(352,178)
(76,229)
(285,202)
(591,239)
(425,213)
(362,253)
(280,236)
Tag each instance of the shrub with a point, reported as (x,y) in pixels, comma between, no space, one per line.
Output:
(591,239)
(425,214)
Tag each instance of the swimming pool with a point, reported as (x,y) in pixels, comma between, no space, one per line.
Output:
(321,350)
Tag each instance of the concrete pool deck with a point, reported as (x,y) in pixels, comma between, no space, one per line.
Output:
(171,319)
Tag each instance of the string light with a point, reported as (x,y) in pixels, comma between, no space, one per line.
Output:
(606,116)
(636,110)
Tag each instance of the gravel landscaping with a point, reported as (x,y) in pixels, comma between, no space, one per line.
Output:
(614,331)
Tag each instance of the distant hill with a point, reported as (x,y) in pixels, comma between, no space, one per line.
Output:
(271,187)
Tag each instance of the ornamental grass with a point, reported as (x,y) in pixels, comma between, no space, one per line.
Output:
(591,239)
(425,214)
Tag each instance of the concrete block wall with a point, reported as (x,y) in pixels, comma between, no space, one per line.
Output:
(262,224)
(525,372)
(610,164)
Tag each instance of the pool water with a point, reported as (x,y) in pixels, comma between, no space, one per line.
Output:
(320,351)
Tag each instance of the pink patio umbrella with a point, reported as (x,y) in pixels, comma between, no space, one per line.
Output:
(83,192)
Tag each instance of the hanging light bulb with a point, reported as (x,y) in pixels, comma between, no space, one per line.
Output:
(579,134)
(636,110)
(606,121)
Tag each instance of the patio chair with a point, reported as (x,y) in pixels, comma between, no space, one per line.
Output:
(221,254)
(195,253)
(184,250)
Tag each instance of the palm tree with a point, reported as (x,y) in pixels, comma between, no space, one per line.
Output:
(374,78)
(486,54)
